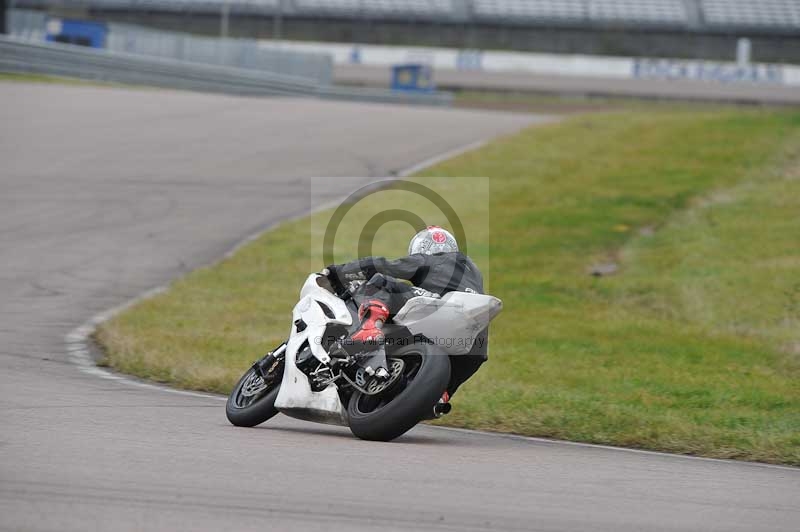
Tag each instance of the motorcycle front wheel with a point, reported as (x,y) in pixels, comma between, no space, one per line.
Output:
(384,417)
(252,400)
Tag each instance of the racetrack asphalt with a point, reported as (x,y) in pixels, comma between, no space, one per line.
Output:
(108,192)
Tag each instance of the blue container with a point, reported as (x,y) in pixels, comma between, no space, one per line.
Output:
(413,77)
(80,32)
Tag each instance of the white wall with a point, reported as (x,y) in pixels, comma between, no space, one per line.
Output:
(551,64)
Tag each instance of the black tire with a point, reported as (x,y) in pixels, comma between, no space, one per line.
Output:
(257,410)
(414,401)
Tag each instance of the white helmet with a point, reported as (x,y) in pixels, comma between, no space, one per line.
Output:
(432,239)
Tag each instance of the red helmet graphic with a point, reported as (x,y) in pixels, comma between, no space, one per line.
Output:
(432,239)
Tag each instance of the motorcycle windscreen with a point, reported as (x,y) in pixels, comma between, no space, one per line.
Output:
(452,322)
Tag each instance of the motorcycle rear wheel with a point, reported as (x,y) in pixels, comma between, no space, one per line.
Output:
(386,416)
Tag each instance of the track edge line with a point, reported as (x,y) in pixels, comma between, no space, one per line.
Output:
(78,342)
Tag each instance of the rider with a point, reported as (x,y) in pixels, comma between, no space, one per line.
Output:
(434,266)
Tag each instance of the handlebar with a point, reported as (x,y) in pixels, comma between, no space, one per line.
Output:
(333,286)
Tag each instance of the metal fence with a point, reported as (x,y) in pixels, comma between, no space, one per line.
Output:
(237,53)
(27,24)
(102,65)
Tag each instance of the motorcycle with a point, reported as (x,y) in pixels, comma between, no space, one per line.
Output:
(380,394)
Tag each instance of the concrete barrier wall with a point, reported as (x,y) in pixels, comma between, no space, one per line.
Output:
(552,64)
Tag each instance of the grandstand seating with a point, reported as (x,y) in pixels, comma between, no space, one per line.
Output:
(530,10)
(751,13)
(661,12)
(764,15)
(194,6)
(388,8)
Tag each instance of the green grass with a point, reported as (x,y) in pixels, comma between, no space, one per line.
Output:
(523,100)
(692,347)
(41,78)
(573,103)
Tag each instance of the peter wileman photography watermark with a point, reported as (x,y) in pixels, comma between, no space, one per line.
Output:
(379,220)
(465,343)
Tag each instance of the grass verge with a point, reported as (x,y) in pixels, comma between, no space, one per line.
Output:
(574,104)
(42,78)
(692,346)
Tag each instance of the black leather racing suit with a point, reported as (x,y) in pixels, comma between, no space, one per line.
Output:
(431,275)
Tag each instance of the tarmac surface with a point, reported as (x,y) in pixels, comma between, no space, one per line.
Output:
(105,193)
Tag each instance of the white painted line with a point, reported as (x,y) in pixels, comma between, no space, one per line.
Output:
(436,159)
(77,342)
(78,348)
(534,439)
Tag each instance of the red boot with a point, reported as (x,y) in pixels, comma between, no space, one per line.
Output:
(372,314)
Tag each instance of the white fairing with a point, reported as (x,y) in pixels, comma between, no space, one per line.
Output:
(451,322)
(295,397)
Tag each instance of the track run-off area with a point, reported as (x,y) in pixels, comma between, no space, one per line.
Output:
(106,193)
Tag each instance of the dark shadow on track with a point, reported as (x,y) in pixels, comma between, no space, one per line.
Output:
(343,433)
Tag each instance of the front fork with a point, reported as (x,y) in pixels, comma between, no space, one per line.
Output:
(264,366)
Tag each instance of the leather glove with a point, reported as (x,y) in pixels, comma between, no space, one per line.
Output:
(333,276)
